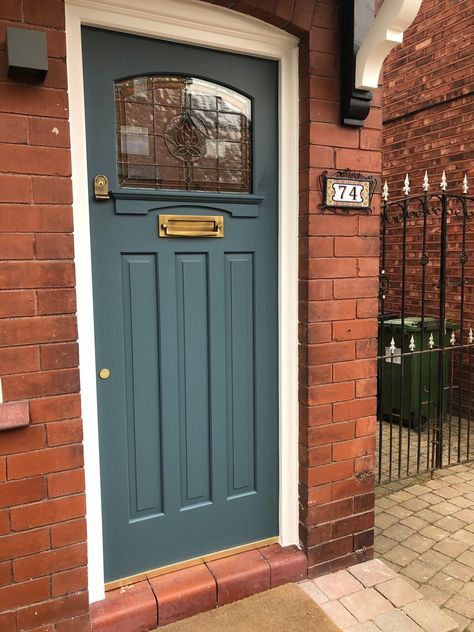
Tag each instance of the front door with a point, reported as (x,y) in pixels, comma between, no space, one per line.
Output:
(184,258)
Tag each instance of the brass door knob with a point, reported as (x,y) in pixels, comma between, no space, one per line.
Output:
(104,374)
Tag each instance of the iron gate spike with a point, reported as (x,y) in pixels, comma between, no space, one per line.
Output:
(444,182)
(392,346)
(465,186)
(426,182)
(406,185)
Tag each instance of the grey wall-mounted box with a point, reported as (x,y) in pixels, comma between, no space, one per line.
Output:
(27,54)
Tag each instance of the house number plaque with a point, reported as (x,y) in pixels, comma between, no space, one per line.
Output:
(347,192)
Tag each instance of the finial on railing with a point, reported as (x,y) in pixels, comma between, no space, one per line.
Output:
(470,337)
(385,191)
(465,186)
(406,185)
(452,340)
(444,182)
(392,346)
(411,346)
(431,341)
(426,183)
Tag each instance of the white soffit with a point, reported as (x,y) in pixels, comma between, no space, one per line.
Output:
(386,32)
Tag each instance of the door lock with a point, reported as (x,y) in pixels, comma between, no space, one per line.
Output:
(101,187)
(104,374)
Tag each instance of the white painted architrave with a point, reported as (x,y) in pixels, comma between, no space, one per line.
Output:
(201,24)
(386,32)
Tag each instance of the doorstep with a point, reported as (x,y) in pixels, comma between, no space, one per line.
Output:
(162,600)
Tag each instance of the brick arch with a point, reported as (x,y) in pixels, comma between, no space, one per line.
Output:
(294,16)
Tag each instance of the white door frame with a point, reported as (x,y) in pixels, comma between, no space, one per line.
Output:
(201,24)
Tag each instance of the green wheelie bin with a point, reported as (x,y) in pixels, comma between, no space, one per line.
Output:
(416,397)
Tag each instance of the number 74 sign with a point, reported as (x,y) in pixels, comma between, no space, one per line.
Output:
(346,191)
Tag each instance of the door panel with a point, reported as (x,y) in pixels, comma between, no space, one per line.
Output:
(193,392)
(239,304)
(188,420)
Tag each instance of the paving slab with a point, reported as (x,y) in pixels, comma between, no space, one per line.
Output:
(336,611)
(419,543)
(461,605)
(459,571)
(414,522)
(398,592)
(429,617)
(384,544)
(464,535)
(437,596)
(397,621)
(468,591)
(450,547)
(311,590)
(461,621)
(337,585)
(435,559)
(446,583)
(434,532)
(445,508)
(450,523)
(385,520)
(372,572)
(400,555)
(366,605)
(399,511)
(419,571)
(415,504)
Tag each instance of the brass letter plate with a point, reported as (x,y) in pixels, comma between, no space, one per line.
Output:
(190,226)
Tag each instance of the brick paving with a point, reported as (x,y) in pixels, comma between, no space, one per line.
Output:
(425,532)
(372,597)
(406,452)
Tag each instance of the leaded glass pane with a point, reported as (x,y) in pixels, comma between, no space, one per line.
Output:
(182,133)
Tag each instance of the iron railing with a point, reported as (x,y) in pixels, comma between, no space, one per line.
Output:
(426,335)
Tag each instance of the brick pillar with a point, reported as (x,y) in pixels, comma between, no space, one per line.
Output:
(338,287)
(339,257)
(43,574)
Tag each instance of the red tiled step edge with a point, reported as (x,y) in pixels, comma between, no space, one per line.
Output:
(168,598)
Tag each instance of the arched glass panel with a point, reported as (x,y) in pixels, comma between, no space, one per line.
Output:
(183,133)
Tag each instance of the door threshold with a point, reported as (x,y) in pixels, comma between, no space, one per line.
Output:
(162,570)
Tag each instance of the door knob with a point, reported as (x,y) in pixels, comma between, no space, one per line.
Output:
(104,374)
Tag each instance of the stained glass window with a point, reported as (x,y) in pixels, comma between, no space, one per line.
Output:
(178,132)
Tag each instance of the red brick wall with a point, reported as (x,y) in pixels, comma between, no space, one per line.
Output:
(43,575)
(428,126)
(42,546)
(428,98)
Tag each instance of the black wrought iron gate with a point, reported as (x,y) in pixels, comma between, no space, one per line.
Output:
(426,339)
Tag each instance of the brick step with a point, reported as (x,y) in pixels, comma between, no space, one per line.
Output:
(158,601)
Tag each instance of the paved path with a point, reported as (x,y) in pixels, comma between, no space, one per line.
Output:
(371,597)
(425,532)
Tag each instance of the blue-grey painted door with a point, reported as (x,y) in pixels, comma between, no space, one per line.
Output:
(187,326)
